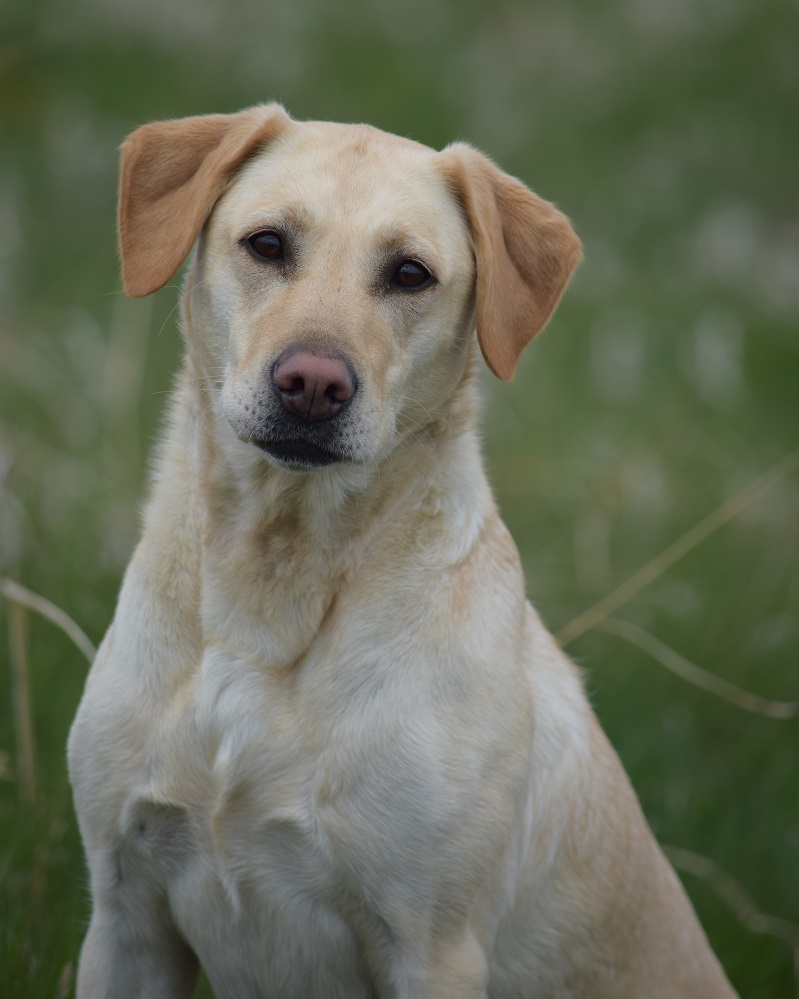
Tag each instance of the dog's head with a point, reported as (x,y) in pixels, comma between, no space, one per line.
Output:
(339,272)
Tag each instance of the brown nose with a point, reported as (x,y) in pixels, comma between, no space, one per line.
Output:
(313,386)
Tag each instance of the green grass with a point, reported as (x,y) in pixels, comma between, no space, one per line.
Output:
(665,384)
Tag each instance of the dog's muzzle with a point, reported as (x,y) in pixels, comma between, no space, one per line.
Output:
(313,389)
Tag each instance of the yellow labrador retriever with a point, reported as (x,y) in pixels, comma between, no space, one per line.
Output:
(327,748)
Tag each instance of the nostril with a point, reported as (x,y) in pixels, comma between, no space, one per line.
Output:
(288,379)
(338,391)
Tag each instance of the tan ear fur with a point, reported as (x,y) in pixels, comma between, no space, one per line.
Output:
(172,174)
(525,250)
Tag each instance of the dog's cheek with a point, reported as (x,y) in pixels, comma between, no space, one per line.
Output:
(231,300)
(210,306)
(434,351)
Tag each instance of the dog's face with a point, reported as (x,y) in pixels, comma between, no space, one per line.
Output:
(336,280)
(338,274)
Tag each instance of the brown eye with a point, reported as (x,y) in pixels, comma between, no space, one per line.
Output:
(267,245)
(410,274)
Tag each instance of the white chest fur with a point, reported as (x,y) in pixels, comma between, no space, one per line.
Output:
(225,823)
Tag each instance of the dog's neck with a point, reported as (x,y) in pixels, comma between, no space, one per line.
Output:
(277,546)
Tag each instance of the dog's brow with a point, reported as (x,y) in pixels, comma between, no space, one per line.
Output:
(278,217)
(397,239)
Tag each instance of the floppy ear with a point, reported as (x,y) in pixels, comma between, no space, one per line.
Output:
(525,250)
(172,174)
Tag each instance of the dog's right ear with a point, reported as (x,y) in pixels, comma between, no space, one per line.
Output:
(525,252)
(172,174)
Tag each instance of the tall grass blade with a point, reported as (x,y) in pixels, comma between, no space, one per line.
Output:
(694,674)
(647,574)
(21,596)
(23,715)
(736,899)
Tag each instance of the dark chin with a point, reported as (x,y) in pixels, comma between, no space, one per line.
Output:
(299,454)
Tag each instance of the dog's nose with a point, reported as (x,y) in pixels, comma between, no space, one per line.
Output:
(313,386)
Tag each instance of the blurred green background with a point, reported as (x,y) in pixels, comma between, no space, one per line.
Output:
(668,131)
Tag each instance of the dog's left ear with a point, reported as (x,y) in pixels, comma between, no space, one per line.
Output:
(172,174)
(525,251)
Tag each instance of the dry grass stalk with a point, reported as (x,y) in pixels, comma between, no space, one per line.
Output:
(65,981)
(736,899)
(21,596)
(23,716)
(650,572)
(694,674)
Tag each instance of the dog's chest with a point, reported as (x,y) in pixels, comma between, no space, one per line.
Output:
(227,823)
(268,793)
(262,751)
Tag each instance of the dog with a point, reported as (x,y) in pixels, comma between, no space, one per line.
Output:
(327,749)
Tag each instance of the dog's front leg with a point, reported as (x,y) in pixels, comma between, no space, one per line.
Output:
(132,949)
(113,967)
(435,968)
(460,973)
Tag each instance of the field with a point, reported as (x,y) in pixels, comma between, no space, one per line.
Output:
(664,387)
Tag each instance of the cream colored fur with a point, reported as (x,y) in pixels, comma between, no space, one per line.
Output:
(327,748)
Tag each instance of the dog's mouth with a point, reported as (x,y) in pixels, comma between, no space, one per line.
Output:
(299,453)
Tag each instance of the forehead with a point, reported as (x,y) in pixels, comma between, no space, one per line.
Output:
(351,175)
